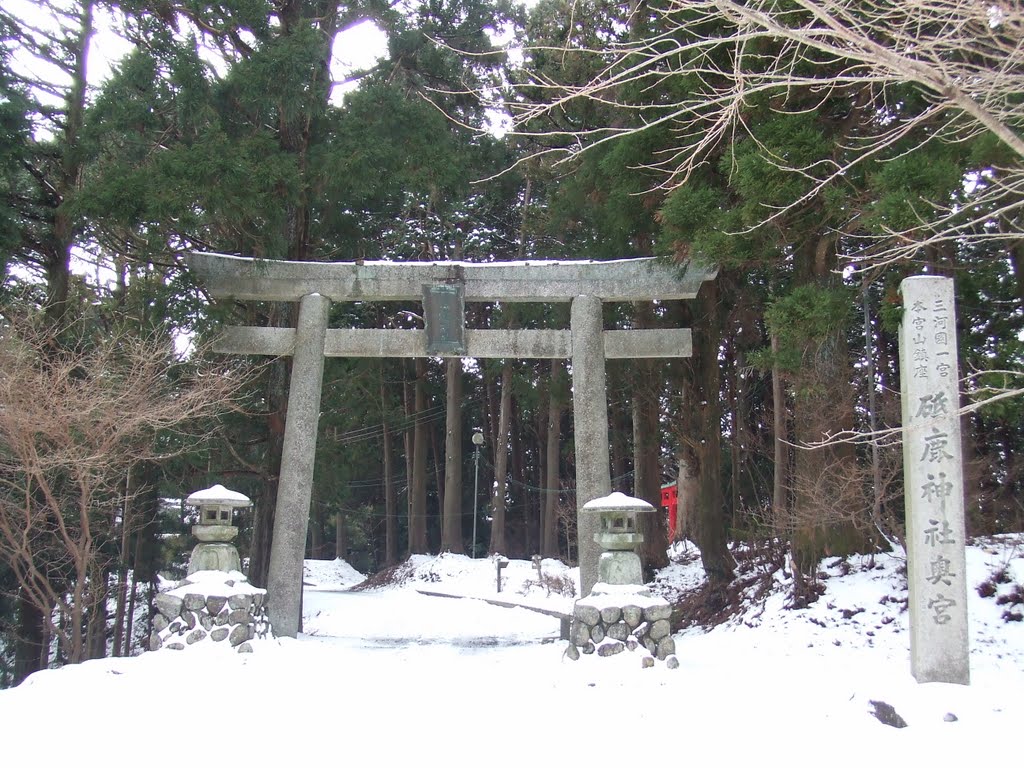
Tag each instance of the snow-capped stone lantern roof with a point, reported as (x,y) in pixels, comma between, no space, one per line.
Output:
(216,504)
(617,513)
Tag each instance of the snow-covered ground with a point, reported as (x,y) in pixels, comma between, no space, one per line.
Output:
(397,676)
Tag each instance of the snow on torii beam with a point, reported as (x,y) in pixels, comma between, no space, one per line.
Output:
(316,284)
(621,280)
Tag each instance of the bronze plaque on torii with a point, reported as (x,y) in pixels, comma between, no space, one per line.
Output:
(444,313)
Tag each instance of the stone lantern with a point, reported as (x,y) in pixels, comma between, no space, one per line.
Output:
(620,613)
(215,550)
(214,604)
(617,534)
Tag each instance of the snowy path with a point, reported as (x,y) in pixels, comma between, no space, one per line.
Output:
(401,678)
(405,618)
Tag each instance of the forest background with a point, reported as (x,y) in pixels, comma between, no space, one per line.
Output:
(816,152)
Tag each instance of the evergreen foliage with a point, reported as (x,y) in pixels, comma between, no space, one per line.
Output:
(222,129)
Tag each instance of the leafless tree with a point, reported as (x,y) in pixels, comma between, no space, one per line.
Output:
(75,416)
(966,57)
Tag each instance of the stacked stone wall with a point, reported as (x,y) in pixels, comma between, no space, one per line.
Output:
(234,620)
(608,630)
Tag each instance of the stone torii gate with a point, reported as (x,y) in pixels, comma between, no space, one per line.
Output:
(443,287)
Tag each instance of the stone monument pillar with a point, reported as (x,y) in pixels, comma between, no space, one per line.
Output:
(933,481)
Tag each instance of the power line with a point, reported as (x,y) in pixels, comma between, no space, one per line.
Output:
(376,431)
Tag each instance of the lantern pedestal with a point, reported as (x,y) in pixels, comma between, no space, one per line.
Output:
(214,557)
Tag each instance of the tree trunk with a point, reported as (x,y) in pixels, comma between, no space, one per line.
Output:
(647,468)
(687,493)
(517,527)
(279,373)
(340,535)
(552,454)
(451,523)
(146,500)
(418,482)
(57,247)
(74,635)
(492,401)
(390,512)
(703,452)
(828,509)
(316,529)
(408,443)
(119,611)
(30,645)
(130,625)
(780,482)
(434,514)
(499,541)
(734,364)
(527,194)
(539,454)
(122,568)
(620,428)
(96,636)
(647,385)
(876,462)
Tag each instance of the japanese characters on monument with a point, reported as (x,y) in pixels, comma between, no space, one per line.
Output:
(933,481)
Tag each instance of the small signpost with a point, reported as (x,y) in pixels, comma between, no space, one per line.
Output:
(933,481)
(499,565)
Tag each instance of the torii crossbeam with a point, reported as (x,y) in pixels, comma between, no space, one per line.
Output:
(586,284)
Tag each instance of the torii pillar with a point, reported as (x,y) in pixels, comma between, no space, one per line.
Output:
(590,428)
(298,457)
(315,285)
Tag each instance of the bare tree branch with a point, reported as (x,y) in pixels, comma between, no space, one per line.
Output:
(77,410)
(966,58)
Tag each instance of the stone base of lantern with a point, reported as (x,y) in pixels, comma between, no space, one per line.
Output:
(210,608)
(623,617)
(618,567)
(214,556)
